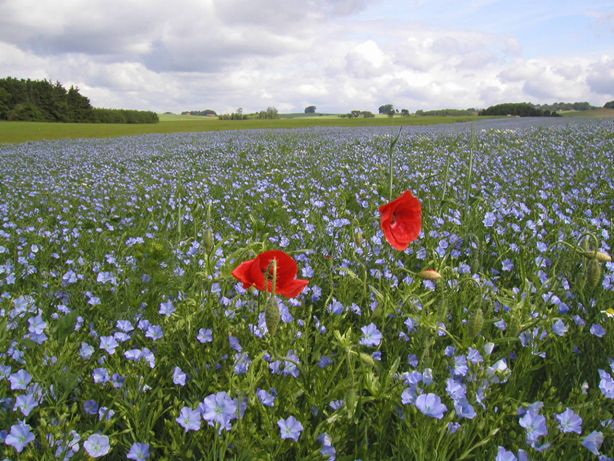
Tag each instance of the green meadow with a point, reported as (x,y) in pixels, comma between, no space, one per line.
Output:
(16,132)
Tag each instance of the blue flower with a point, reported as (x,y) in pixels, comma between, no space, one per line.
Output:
(179,377)
(430,405)
(597,330)
(592,442)
(505,455)
(97,445)
(534,425)
(101,375)
(139,452)
(90,407)
(20,380)
(559,327)
(26,403)
(219,409)
(290,428)
(371,336)
(606,384)
(569,421)
(20,436)
(109,344)
(205,335)
(167,308)
(267,398)
(189,419)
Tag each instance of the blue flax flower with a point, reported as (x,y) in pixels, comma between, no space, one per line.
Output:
(606,384)
(219,409)
(569,421)
(534,425)
(592,442)
(20,436)
(189,419)
(97,445)
(430,405)
(371,336)
(139,452)
(290,428)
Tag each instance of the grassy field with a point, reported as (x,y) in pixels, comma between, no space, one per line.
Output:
(16,132)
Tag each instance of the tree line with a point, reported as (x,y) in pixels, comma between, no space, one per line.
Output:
(521,109)
(44,101)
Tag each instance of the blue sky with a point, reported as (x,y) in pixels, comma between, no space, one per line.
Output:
(336,54)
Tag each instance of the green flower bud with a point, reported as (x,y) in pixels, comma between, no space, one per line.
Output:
(593,272)
(476,322)
(272,315)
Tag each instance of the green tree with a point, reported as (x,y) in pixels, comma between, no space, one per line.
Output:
(386,109)
(609,105)
(310,109)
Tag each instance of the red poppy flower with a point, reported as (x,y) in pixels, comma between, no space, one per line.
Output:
(401,220)
(258,272)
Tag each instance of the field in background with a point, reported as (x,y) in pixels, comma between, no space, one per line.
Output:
(16,132)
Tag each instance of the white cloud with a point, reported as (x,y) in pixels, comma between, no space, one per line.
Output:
(224,54)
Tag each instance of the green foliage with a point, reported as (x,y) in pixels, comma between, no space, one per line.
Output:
(269,114)
(33,100)
(609,105)
(310,109)
(386,109)
(522,109)
(446,112)
(205,113)
(124,116)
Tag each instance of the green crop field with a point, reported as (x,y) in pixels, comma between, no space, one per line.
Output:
(16,132)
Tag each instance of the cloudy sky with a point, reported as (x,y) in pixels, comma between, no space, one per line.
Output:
(339,55)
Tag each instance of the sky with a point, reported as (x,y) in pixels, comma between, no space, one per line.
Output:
(338,55)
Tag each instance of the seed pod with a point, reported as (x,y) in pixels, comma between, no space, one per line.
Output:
(593,272)
(272,316)
(209,242)
(429,274)
(476,322)
(600,256)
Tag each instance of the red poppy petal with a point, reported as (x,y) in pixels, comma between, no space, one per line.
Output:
(293,288)
(401,220)
(242,273)
(287,269)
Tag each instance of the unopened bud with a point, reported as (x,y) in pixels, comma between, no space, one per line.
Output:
(600,256)
(209,242)
(358,239)
(429,274)
(272,315)
(593,272)
(475,323)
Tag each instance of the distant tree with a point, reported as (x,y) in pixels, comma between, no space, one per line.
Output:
(27,112)
(386,109)
(522,109)
(205,113)
(270,113)
(310,109)
(609,105)
(5,99)
(404,112)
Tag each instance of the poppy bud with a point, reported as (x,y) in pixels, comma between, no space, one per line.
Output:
(474,327)
(272,315)
(358,239)
(429,274)
(593,272)
(600,256)
(209,242)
